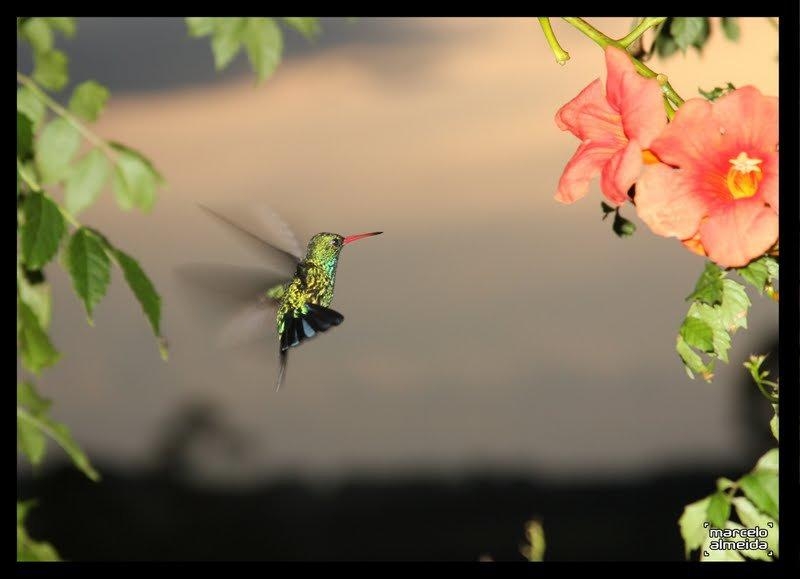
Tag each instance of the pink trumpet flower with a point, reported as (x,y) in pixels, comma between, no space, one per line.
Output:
(716,187)
(615,126)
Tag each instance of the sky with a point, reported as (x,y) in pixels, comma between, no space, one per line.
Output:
(488,327)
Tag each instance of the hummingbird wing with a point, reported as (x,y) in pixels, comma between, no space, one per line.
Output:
(238,293)
(316,320)
(269,233)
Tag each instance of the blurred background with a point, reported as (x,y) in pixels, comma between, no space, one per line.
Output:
(504,356)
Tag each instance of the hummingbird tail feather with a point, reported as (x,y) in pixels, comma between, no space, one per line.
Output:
(283,357)
(296,330)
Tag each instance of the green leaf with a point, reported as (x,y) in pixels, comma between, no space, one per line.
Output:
(768,462)
(226,41)
(264,44)
(665,45)
(534,551)
(58,143)
(692,361)
(719,509)
(200,25)
(50,69)
(65,25)
(30,105)
(708,289)
(135,179)
(689,31)
(145,293)
(724,483)
(721,555)
(759,272)
(716,92)
(86,181)
(773,423)
(38,297)
(24,136)
(711,316)
(27,548)
(30,440)
(623,227)
(751,518)
(761,487)
(308,27)
(698,333)
(88,100)
(89,267)
(38,34)
(607,209)
(691,524)
(36,350)
(61,434)
(735,303)
(41,231)
(730,26)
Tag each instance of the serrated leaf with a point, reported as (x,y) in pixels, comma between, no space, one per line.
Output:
(721,340)
(35,348)
(89,268)
(134,181)
(38,34)
(308,27)
(759,272)
(730,26)
(692,361)
(30,105)
(691,524)
(200,25)
(30,440)
(719,509)
(761,487)
(24,136)
(85,181)
(64,24)
(689,31)
(62,436)
(57,145)
(41,231)
(698,333)
(226,41)
(88,100)
(751,518)
(145,293)
(768,462)
(264,44)
(50,69)
(708,289)
(734,306)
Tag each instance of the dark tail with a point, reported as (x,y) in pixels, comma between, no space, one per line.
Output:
(316,320)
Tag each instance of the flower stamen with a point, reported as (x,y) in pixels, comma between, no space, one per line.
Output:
(743,176)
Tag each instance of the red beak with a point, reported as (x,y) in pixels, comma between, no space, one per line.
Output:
(351,238)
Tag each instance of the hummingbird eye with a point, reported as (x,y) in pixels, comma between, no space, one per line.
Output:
(336,241)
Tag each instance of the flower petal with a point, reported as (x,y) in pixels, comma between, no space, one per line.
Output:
(584,164)
(768,188)
(741,232)
(621,172)
(589,116)
(750,118)
(668,203)
(691,137)
(638,99)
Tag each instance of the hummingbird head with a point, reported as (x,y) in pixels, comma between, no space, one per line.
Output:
(324,248)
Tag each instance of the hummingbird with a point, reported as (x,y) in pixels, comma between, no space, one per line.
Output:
(302,299)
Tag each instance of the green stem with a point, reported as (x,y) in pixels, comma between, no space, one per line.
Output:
(603,41)
(640,29)
(87,133)
(561,55)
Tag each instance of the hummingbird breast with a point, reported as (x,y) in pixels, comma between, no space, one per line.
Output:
(311,284)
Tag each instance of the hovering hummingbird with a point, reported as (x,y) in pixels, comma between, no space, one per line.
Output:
(303,300)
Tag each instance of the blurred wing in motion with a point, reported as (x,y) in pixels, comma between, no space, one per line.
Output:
(239,292)
(263,229)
